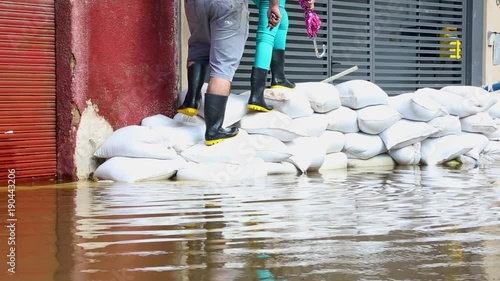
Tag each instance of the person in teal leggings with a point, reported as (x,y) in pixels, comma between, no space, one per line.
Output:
(270,53)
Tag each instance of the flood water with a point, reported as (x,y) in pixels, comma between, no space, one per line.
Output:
(407,223)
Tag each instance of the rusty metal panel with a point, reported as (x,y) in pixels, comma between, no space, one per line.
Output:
(27,89)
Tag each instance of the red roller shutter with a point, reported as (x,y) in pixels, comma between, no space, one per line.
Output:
(27,89)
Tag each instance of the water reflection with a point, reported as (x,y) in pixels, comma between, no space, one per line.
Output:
(412,223)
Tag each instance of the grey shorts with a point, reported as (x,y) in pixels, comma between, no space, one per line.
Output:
(219,30)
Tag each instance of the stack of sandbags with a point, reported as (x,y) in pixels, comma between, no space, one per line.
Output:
(301,120)
(314,127)
(468,118)
(137,153)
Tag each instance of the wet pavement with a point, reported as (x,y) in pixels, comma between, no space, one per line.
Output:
(407,223)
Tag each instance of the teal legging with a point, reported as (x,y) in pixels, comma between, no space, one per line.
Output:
(269,40)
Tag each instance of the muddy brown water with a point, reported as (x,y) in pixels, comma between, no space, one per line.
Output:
(407,223)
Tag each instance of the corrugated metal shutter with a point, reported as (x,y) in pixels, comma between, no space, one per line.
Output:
(27,88)
(401,45)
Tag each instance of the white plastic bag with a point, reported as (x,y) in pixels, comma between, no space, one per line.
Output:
(308,153)
(334,161)
(273,123)
(323,97)
(124,169)
(363,146)
(479,123)
(333,141)
(357,94)
(408,155)
(138,142)
(417,107)
(437,151)
(375,119)
(343,119)
(405,132)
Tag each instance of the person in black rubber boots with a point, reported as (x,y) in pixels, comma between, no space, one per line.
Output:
(219,30)
(270,52)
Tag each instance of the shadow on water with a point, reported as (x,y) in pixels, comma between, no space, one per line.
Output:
(408,223)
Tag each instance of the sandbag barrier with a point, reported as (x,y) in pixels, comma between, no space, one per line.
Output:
(317,127)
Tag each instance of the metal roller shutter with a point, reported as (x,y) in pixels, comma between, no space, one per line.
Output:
(27,88)
(401,45)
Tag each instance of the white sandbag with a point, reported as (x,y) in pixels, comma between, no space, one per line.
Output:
(491,153)
(493,147)
(272,123)
(375,119)
(357,94)
(333,141)
(186,120)
(479,123)
(363,146)
(465,161)
(382,160)
(182,137)
(494,111)
(477,141)
(136,141)
(235,150)
(436,151)
(323,97)
(495,136)
(222,173)
(334,161)
(160,120)
(417,107)
(236,106)
(268,148)
(408,155)
(405,132)
(296,106)
(446,125)
(477,95)
(343,119)
(124,169)
(283,168)
(310,126)
(308,153)
(454,104)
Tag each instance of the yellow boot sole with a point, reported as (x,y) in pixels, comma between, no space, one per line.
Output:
(281,87)
(257,108)
(214,142)
(189,111)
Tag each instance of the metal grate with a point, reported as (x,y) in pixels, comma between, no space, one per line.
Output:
(401,45)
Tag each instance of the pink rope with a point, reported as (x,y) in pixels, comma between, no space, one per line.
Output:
(313,22)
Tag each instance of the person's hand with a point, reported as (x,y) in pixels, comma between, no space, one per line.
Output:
(274,16)
(310,4)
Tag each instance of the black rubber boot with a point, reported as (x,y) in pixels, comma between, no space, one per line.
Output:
(215,108)
(278,71)
(196,78)
(258,85)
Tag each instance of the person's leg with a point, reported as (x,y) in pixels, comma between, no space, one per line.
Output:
(265,37)
(279,79)
(198,53)
(264,48)
(229,32)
